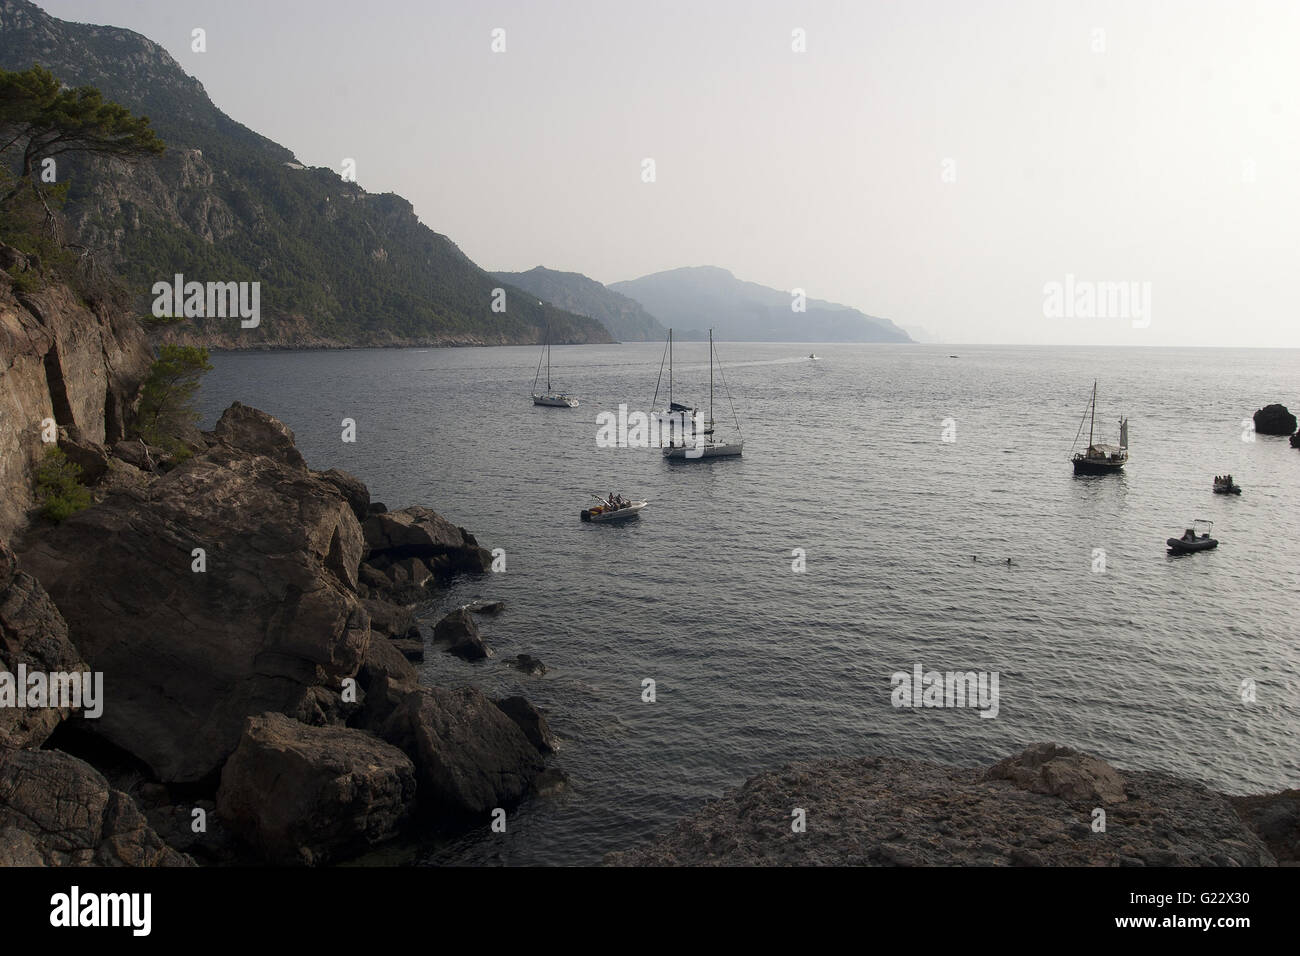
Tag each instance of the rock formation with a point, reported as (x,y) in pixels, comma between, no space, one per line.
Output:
(1275,420)
(304,794)
(65,362)
(245,665)
(1034,809)
(460,633)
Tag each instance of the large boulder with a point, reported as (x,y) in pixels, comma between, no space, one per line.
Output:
(33,635)
(352,488)
(420,533)
(253,430)
(1275,420)
(459,632)
(1062,772)
(391,620)
(305,795)
(56,810)
(470,757)
(531,721)
(385,678)
(187,655)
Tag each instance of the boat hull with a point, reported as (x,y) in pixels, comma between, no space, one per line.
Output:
(555,401)
(692,453)
(1182,546)
(1234,490)
(609,517)
(1091,466)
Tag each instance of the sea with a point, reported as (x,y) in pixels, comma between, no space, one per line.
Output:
(896,507)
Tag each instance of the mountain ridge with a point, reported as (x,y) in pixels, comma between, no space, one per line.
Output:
(338,266)
(748,311)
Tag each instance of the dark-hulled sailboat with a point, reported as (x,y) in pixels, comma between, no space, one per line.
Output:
(1100,459)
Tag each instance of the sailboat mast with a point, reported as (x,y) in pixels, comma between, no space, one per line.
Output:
(710,379)
(670,371)
(548,358)
(1093,417)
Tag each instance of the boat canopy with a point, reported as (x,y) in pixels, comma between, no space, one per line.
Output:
(1105,449)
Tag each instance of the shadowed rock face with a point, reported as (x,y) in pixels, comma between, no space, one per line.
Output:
(32,632)
(64,361)
(56,810)
(187,655)
(1274,420)
(1036,809)
(303,794)
(470,757)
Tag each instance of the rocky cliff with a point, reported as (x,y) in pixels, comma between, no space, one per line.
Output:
(338,266)
(61,360)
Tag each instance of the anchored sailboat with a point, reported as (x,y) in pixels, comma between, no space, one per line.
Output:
(704,445)
(552,398)
(1100,459)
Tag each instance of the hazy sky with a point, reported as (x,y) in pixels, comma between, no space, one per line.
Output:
(936,163)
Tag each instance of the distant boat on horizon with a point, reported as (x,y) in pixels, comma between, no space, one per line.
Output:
(1100,459)
(550,398)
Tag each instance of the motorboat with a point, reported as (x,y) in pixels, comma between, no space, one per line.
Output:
(1224,485)
(613,508)
(1195,538)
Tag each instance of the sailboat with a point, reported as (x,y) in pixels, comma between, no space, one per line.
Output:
(705,446)
(1100,459)
(549,397)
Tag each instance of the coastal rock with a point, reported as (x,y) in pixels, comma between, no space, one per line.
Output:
(71,816)
(417,532)
(470,757)
(188,655)
(1062,772)
(887,811)
(391,620)
(32,633)
(1275,818)
(530,665)
(412,648)
(531,721)
(386,677)
(352,488)
(460,633)
(304,795)
(253,430)
(1275,420)
(486,607)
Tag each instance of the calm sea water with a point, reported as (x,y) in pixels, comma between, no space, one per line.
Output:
(756,665)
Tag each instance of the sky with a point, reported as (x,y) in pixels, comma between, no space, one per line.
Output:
(990,172)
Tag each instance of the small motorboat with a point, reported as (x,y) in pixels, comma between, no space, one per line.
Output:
(1195,538)
(812,356)
(1224,485)
(613,508)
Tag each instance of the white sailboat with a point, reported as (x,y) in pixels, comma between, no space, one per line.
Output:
(705,445)
(550,397)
